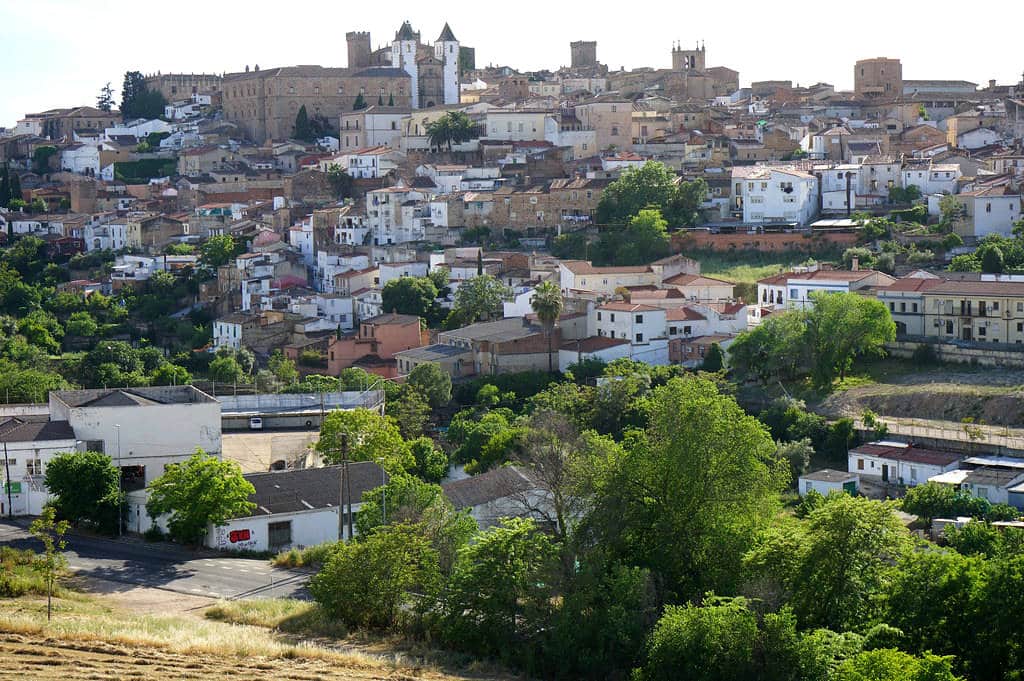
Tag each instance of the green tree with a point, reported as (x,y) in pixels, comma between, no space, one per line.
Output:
(992,261)
(714,360)
(713,642)
(170,374)
(798,453)
(371,582)
(500,590)
(198,492)
(85,489)
(218,250)
(776,349)
(105,101)
(967,262)
(363,435)
(96,364)
(886,664)
(5,185)
(410,295)
(432,382)
(360,103)
(302,130)
(547,304)
(138,101)
(41,165)
(842,327)
(651,185)
(52,564)
(693,491)
(226,369)
(283,368)
(409,410)
(81,324)
(431,461)
(843,564)
(455,127)
(930,500)
(477,299)
(28,384)
(340,181)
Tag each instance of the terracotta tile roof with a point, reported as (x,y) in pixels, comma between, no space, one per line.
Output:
(594,344)
(696,280)
(628,307)
(683,314)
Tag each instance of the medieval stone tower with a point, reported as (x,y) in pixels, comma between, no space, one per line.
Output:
(688,60)
(359,49)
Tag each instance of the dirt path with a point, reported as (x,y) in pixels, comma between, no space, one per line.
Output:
(31,657)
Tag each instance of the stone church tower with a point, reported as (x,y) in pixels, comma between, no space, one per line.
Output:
(434,72)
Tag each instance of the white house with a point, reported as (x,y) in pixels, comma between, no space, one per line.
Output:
(792,290)
(371,127)
(878,174)
(977,138)
(385,218)
(900,463)
(365,163)
(826,481)
(999,479)
(776,195)
(505,492)
(298,508)
(839,187)
(83,159)
(630,321)
(932,178)
(991,210)
(108,236)
(396,270)
(227,330)
(596,347)
(30,442)
(142,429)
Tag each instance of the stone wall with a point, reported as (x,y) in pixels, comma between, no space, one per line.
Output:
(1000,356)
(773,241)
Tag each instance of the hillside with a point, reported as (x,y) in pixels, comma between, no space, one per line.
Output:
(989,396)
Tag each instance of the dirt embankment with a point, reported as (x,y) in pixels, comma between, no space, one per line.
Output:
(995,398)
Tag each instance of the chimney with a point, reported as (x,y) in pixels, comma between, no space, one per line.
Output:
(855,266)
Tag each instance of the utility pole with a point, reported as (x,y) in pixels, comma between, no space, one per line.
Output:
(120,474)
(7,482)
(344,490)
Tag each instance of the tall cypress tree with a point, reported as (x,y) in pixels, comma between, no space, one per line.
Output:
(303,130)
(5,186)
(360,102)
(14,191)
(391,99)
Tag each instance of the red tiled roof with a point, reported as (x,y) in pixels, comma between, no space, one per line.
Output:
(912,454)
(683,314)
(628,307)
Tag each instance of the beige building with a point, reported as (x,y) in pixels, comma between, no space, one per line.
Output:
(264,103)
(62,123)
(986,311)
(178,86)
(878,77)
(611,120)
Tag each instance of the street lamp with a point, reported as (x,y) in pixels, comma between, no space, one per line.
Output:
(120,474)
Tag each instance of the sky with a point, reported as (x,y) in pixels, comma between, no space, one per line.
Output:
(56,53)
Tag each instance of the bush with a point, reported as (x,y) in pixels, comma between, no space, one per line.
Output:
(18,573)
(154,533)
(310,556)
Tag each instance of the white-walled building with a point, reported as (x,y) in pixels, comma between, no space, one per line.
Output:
(30,442)
(826,481)
(932,178)
(396,270)
(792,290)
(639,324)
(775,195)
(900,463)
(142,429)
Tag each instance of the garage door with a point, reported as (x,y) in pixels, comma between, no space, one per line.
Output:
(280,535)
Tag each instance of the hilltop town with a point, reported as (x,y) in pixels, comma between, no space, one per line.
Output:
(588,373)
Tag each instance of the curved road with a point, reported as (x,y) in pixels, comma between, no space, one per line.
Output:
(166,566)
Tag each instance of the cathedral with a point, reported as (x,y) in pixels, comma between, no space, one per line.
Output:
(433,71)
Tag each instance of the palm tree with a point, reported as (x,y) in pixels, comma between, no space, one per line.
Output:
(439,133)
(455,127)
(547,304)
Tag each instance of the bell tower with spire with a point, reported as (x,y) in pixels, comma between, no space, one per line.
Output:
(446,51)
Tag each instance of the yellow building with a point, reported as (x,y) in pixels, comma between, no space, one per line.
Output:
(978,311)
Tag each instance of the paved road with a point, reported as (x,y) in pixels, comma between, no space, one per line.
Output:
(135,563)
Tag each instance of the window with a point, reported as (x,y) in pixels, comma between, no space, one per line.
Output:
(598,316)
(673,330)
(611,317)
(982,331)
(639,338)
(639,319)
(949,328)
(981,492)
(913,307)
(892,307)
(988,207)
(903,307)
(792,293)
(279,534)
(913,474)
(34,467)
(860,464)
